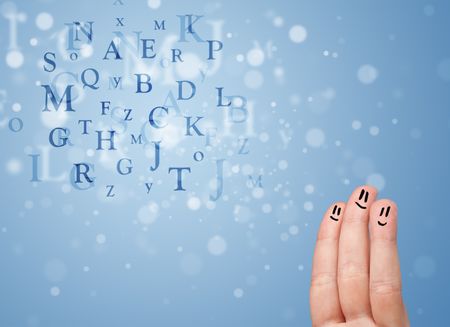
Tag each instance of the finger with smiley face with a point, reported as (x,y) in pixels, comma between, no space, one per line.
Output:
(385,278)
(324,290)
(383,219)
(353,258)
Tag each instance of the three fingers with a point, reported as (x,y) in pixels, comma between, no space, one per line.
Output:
(356,276)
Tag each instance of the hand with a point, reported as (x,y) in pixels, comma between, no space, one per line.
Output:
(356,278)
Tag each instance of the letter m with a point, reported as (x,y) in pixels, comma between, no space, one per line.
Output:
(56,100)
(257,182)
(135,140)
(160,25)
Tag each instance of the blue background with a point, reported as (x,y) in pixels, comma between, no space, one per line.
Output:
(75,258)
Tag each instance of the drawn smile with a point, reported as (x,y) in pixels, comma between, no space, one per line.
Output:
(362,207)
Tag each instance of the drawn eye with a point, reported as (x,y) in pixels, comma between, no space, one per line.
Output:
(387,211)
(364,195)
(361,195)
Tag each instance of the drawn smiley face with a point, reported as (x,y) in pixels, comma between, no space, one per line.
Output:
(337,212)
(386,214)
(364,197)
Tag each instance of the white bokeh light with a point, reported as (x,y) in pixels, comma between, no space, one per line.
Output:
(14,166)
(258,192)
(55,291)
(148,214)
(217,245)
(194,203)
(253,79)
(86,50)
(190,67)
(238,293)
(14,59)
(315,137)
(255,57)
(44,21)
(367,74)
(309,189)
(52,119)
(266,208)
(100,239)
(283,164)
(308,206)
(294,230)
(297,34)
(278,21)
(376,180)
(356,125)
(154,4)
(374,130)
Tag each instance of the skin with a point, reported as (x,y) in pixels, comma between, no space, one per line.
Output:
(356,278)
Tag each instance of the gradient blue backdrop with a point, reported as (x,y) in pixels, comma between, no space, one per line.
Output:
(72,258)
